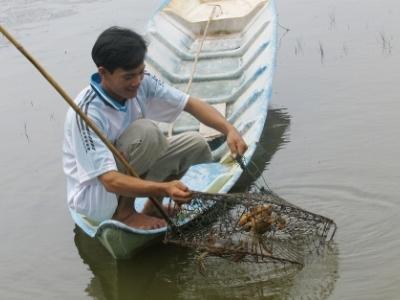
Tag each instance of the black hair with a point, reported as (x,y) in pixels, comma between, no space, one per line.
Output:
(118,47)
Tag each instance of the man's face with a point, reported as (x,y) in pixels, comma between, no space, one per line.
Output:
(122,84)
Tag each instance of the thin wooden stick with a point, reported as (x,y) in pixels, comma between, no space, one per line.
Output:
(84,117)
(196,59)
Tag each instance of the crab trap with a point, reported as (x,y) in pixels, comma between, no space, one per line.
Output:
(250,227)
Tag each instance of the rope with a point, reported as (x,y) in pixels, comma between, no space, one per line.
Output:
(196,59)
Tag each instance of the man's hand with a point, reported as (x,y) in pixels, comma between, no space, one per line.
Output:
(179,192)
(235,142)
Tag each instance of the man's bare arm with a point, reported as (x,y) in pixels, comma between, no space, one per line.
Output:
(121,184)
(209,116)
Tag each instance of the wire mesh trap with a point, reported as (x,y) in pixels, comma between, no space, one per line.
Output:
(250,227)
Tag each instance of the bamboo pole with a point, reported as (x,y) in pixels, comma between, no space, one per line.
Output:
(84,117)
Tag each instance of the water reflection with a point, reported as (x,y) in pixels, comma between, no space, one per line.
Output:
(126,279)
(229,280)
(273,138)
(166,272)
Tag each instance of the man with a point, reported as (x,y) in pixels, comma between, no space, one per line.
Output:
(122,99)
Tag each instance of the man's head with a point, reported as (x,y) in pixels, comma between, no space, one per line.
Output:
(119,56)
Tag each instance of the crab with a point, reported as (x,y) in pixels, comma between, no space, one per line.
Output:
(261,219)
(258,220)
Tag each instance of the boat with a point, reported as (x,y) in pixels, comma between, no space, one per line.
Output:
(224,53)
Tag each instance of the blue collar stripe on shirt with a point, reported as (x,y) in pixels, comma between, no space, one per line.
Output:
(95,83)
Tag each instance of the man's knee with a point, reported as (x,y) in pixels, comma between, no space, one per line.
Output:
(142,143)
(150,135)
(141,132)
(201,149)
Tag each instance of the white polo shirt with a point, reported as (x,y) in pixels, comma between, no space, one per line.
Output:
(85,156)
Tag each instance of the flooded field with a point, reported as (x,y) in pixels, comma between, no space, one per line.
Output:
(330,146)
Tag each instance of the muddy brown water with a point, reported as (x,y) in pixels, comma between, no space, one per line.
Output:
(331,147)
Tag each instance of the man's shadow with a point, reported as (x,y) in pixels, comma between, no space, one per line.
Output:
(274,136)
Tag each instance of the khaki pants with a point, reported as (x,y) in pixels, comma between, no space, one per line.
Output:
(155,157)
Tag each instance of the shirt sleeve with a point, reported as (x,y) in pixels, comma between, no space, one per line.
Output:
(160,101)
(93,157)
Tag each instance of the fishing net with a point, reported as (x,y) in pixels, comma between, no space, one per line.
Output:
(250,227)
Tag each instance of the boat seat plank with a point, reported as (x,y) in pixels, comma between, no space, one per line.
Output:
(199,11)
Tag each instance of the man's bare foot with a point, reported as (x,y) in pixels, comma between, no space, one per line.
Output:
(139,220)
